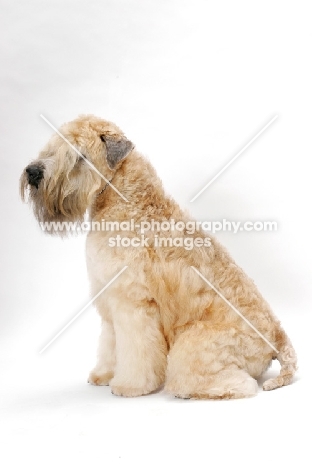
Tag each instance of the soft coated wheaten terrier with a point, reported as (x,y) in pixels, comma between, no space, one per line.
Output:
(161,323)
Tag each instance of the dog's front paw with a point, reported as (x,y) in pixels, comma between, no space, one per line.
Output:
(121,388)
(124,391)
(98,378)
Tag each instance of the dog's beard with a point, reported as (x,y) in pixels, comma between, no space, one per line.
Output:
(62,198)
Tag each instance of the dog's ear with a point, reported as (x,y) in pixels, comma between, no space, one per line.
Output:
(117,149)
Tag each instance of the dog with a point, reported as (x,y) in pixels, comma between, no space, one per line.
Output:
(162,324)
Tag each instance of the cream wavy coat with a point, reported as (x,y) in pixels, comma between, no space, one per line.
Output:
(161,323)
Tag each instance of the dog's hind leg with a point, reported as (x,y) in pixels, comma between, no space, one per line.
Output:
(287,359)
(205,362)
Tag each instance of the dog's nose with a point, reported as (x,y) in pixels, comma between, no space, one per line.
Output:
(34,174)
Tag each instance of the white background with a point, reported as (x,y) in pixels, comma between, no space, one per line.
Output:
(190,82)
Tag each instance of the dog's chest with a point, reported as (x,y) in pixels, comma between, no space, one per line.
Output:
(102,260)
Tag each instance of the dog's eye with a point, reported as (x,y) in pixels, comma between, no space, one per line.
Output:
(81,158)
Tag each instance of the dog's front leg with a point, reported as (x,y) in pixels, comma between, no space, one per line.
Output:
(104,369)
(141,349)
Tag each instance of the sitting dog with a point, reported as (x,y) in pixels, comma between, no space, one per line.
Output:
(161,322)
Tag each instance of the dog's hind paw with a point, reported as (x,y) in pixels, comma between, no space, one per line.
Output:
(226,385)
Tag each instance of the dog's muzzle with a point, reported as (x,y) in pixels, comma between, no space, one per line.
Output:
(34,175)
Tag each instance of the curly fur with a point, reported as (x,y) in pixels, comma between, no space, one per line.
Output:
(161,324)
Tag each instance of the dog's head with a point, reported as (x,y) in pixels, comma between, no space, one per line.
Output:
(68,174)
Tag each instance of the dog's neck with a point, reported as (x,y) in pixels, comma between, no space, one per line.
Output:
(136,179)
(105,186)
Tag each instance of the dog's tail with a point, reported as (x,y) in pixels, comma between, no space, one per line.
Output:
(287,359)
